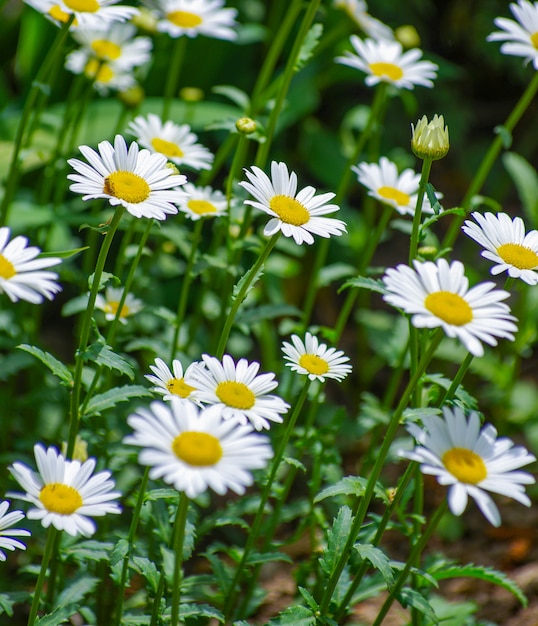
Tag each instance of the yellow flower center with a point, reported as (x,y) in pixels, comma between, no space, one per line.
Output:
(388,70)
(179,387)
(61,499)
(106,50)
(198,449)
(168,148)
(534,39)
(7,270)
(519,256)
(236,395)
(391,193)
(201,207)
(450,307)
(58,14)
(126,186)
(99,71)
(184,19)
(83,6)
(465,465)
(289,210)
(314,364)
(112,307)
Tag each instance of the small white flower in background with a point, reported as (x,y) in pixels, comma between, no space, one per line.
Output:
(203,202)
(93,13)
(21,275)
(110,302)
(237,391)
(521,37)
(191,18)
(176,142)
(197,450)
(7,520)
(438,295)
(358,11)
(471,461)
(171,385)
(385,61)
(64,493)
(295,214)
(430,139)
(314,359)
(140,181)
(106,77)
(506,244)
(386,185)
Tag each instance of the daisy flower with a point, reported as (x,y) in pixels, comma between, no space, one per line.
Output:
(87,12)
(296,215)
(64,493)
(314,359)
(471,461)
(385,61)
(177,143)
(506,244)
(358,11)
(21,277)
(171,385)
(195,450)
(140,181)
(191,18)
(386,185)
(110,302)
(7,520)
(237,391)
(438,295)
(106,77)
(203,202)
(521,37)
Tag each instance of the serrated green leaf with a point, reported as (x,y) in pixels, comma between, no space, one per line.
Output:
(256,558)
(350,485)
(110,398)
(55,366)
(200,610)
(161,494)
(410,597)
(268,312)
(104,279)
(378,559)
(295,616)
(489,574)
(90,549)
(309,598)
(104,355)
(362,282)
(76,591)
(337,537)
(8,600)
(310,43)
(148,570)
(239,285)
(526,181)
(59,616)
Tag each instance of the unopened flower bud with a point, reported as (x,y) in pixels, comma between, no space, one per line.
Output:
(80,452)
(428,253)
(430,139)
(408,36)
(245,125)
(191,94)
(132,97)
(172,166)
(146,20)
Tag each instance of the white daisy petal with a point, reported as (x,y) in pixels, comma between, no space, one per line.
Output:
(191,18)
(110,302)
(7,534)
(521,37)
(315,360)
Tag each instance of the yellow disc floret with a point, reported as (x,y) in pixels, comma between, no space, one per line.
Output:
(465,465)
(179,387)
(60,498)
(201,207)
(450,307)
(168,148)
(391,193)
(314,364)
(126,186)
(106,50)
(236,395)
(197,449)
(184,19)
(289,210)
(83,6)
(519,256)
(388,70)
(7,269)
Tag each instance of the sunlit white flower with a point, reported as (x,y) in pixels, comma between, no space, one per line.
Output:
(177,143)
(7,520)
(506,244)
(521,37)
(195,450)
(21,275)
(171,385)
(203,202)
(358,11)
(386,185)
(295,214)
(471,461)
(314,359)
(94,13)
(140,181)
(64,493)
(237,391)
(110,302)
(191,18)
(438,295)
(385,61)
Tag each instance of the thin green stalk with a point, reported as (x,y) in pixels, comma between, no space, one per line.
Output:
(53,570)
(237,301)
(490,157)
(256,524)
(172,77)
(413,557)
(364,502)
(451,391)
(51,537)
(221,155)
(417,217)
(86,328)
(178,541)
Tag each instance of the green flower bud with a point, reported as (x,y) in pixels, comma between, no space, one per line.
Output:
(245,125)
(430,139)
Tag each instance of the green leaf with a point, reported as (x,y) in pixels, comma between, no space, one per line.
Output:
(200,610)
(362,282)
(237,96)
(333,272)
(8,600)
(337,537)
(310,43)
(60,615)
(295,616)
(110,398)
(309,598)
(378,559)
(526,181)
(65,254)
(148,569)
(90,549)
(161,494)
(76,591)
(504,134)
(268,312)
(256,558)
(243,279)
(55,366)
(350,486)
(104,355)
(105,278)
(488,574)
(414,599)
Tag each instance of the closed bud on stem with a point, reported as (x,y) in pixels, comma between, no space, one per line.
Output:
(132,97)
(80,451)
(245,125)
(430,139)
(428,253)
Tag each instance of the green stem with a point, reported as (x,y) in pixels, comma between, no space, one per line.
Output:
(229,605)
(178,541)
(451,391)
(364,502)
(491,156)
(42,575)
(417,217)
(85,330)
(172,77)
(237,301)
(415,554)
